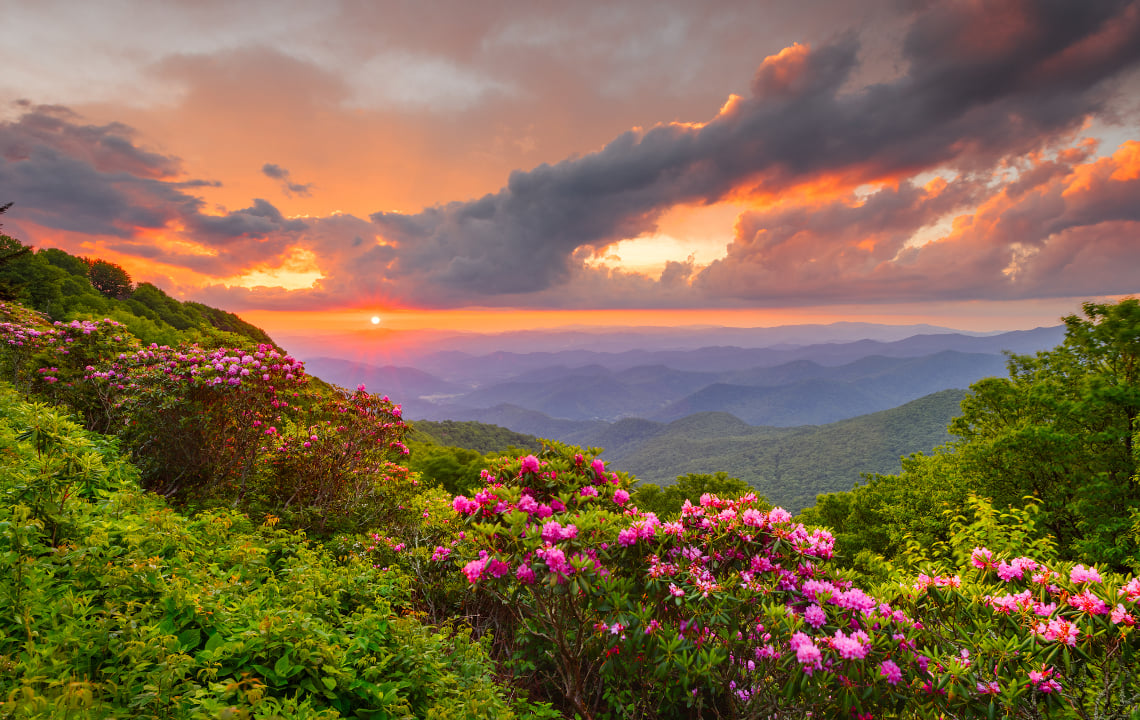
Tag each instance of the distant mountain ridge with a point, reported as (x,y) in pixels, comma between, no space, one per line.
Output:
(538,393)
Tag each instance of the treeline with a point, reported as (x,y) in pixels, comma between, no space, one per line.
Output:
(1057,439)
(66,287)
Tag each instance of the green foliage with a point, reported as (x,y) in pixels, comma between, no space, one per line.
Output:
(455,469)
(666,501)
(790,466)
(887,512)
(1058,435)
(481,437)
(1061,429)
(66,287)
(116,606)
(110,279)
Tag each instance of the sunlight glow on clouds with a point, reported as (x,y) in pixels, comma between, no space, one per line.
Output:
(642,156)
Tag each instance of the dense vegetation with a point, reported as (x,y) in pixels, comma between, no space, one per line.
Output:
(1058,435)
(66,287)
(985,579)
(789,466)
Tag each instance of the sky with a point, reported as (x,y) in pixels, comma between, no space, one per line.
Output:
(505,165)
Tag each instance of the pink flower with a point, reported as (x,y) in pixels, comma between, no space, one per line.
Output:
(525,575)
(753,518)
(1080,574)
(627,537)
(463,506)
(1044,681)
(1059,630)
(853,647)
(497,568)
(588,491)
(1120,615)
(779,515)
(529,464)
(1132,589)
(1008,572)
(889,670)
(621,497)
(474,570)
(1088,602)
(555,559)
(815,616)
(527,504)
(807,653)
(441,553)
(989,688)
(599,468)
(981,558)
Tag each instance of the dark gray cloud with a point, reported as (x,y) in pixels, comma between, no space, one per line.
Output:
(94,179)
(972,94)
(981,86)
(275,171)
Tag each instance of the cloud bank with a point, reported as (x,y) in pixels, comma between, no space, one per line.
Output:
(962,177)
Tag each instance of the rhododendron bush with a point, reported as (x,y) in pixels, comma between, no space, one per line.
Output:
(239,426)
(736,611)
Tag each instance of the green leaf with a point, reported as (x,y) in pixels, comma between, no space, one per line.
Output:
(216,641)
(190,639)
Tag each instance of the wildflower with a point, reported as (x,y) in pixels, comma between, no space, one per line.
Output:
(621,497)
(525,574)
(851,647)
(1081,574)
(1120,615)
(981,558)
(529,464)
(1088,602)
(807,653)
(889,670)
(815,616)
(474,570)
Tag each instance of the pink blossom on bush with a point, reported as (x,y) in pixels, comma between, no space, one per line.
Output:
(753,518)
(621,497)
(627,537)
(1088,602)
(474,570)
(497,568)
(1121,616)
(529,464)
(1080,574)
(1132,589)
(463,506)
(527,504)
(807,653)
(981,558)
(779,515)
(889,670)
(525,574)
(1058,630)
(851,647)
(815,616)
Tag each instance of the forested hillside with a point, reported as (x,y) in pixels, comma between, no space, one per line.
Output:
(788,466)
(66,287)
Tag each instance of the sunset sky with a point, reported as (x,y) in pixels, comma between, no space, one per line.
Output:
(502,165)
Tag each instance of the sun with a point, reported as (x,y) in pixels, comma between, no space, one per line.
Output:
(375,319)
